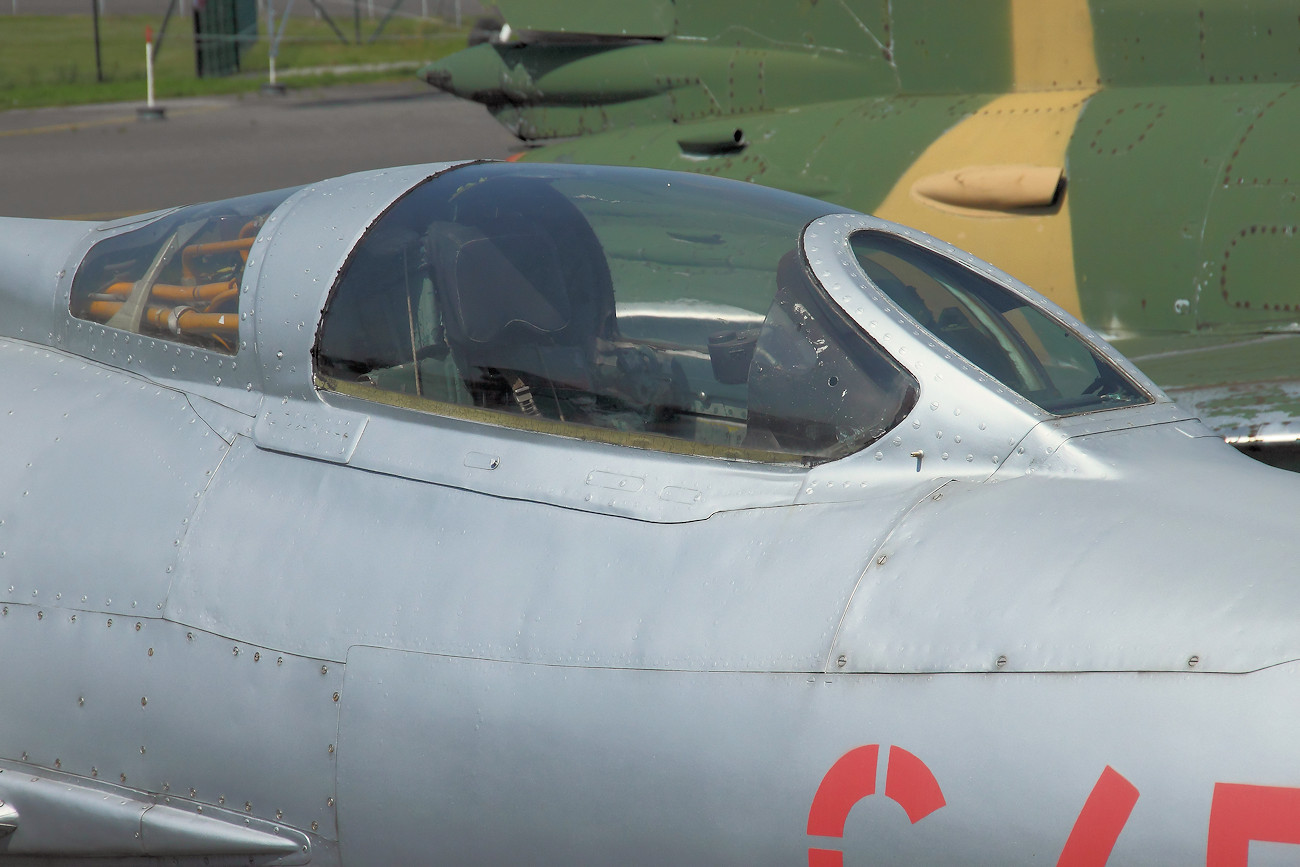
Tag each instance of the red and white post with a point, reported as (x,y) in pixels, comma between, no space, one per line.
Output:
(148,63)
(151,110)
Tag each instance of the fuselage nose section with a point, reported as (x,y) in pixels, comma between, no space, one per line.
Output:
(1138,550)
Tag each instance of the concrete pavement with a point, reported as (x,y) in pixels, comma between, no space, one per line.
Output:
(99,161)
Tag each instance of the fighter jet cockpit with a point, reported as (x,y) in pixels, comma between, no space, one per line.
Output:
(619,305)
(668,312)
(455,470)
(660,311)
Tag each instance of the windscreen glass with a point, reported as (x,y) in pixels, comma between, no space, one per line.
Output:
(177,277)
(623,305)
(1005,335)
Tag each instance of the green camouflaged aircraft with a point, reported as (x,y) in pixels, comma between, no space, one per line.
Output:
(1137,161)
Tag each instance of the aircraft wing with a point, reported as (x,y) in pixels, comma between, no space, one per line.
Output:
(1232,383)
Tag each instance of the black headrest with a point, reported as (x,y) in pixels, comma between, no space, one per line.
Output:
(492,295)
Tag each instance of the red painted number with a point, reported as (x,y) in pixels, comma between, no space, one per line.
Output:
(853,777)
(1239,814)
(1103,816)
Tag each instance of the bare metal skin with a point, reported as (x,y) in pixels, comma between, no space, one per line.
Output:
(543,581)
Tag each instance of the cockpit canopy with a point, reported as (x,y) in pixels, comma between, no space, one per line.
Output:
(668,312)
(625,305)
(997,330)
(680,313)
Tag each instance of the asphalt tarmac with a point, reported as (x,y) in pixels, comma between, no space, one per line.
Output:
(101,161)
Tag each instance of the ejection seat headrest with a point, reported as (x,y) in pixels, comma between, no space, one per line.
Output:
(509,287)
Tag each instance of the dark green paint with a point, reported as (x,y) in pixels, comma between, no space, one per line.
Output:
(1186,361)
(1152,42)
(801,150)
(941,46)
(1209,213)
(576,89)
(1160,153)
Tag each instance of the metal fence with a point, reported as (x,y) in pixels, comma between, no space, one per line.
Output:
(446,9)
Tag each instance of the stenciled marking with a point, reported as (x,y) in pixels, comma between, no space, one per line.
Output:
(1100,822)
(908,782)
(1241,813)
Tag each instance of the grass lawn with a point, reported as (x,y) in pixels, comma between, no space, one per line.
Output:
(50,60)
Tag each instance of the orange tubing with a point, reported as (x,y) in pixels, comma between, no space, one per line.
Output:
(187,321)
(194,322)
(194,251)
(232,292)
(102,311)
(168,292)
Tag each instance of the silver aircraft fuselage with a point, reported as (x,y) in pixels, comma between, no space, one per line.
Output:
(252,614)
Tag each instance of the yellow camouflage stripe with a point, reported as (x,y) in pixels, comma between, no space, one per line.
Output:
(1055,73)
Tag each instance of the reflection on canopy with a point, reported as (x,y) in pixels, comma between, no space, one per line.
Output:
(622,305)
(995,329)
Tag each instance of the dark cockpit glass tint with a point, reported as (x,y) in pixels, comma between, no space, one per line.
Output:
(622,305)
(1005,335)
